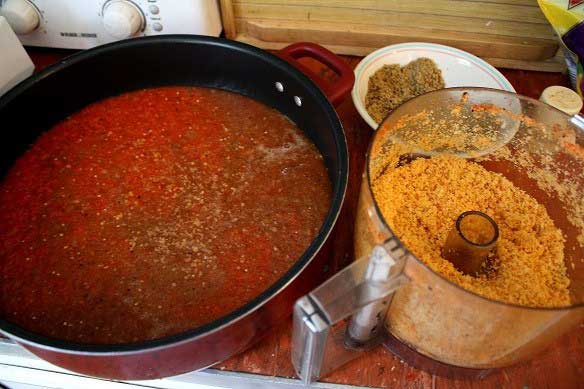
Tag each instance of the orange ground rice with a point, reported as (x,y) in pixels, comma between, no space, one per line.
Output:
(421,201)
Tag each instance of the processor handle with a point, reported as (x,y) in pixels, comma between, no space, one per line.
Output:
(344,317)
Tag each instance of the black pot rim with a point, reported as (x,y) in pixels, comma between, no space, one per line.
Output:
(339,189)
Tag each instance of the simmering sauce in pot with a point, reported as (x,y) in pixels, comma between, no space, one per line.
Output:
(153,212)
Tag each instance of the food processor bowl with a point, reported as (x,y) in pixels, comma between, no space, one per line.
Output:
(540,150)
(535,146)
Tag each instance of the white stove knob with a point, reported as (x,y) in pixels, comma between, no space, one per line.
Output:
(21,15)
(122,19)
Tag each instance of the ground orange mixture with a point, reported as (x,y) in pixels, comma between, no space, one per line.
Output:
(421,201)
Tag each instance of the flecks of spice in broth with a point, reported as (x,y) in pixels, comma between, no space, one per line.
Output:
(151,200)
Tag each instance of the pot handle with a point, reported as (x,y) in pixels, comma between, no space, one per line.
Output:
(336,91)
(345,316)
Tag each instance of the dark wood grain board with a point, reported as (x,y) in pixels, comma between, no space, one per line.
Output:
(560,366)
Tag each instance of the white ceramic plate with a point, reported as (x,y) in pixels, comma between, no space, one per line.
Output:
(458,67)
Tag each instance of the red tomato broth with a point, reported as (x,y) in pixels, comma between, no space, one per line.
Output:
(153,212)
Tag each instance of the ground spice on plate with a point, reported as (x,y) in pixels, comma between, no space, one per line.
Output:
(421,201)
(392,85)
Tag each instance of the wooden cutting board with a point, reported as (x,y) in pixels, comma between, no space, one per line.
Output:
(507,33)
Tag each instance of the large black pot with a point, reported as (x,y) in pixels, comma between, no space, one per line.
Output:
(44,99)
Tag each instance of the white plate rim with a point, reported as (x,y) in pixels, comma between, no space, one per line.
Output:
(488,68)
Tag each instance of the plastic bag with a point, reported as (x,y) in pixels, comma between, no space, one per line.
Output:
(567,18)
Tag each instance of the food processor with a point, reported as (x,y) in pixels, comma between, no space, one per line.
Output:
(388,292)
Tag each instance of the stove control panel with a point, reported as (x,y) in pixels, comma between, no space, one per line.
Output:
(75,24)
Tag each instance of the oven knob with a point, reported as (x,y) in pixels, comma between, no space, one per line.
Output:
(21,15)
(122,19)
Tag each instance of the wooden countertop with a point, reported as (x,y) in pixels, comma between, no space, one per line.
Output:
(560,366)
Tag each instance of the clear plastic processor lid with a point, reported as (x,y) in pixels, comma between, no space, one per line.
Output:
(539,149)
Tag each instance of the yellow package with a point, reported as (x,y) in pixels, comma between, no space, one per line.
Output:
(567,18)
